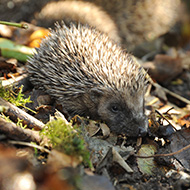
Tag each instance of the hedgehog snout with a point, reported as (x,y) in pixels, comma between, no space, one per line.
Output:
(143,126)
(140,123)
(135,126)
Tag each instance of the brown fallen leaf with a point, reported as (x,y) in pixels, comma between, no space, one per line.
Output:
(185,120)
(110,158)
(105,130)
(7,66)
(59,160)
(179,140)
(164,68)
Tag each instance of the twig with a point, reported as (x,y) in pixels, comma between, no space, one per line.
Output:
(30,145)
(156,85)
(165,119)
(19,25)
(169,110)
(169,154)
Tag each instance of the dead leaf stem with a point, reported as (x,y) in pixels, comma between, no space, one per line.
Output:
(164,155)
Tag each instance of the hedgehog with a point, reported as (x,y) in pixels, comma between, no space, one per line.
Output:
(141,20)
(128,22)
(88,74)
(78,11)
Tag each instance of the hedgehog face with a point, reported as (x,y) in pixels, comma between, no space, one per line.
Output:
(123,116)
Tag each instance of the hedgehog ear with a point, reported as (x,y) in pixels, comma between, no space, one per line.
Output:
(95,94)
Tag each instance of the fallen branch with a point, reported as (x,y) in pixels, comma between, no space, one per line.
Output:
(14,113)
(12,131)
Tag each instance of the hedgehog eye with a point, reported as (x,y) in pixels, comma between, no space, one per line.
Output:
(115,109)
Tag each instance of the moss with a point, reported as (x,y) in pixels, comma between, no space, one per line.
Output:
(17,98)
(67,138)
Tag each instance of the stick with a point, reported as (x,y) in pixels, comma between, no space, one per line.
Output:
(14,132)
